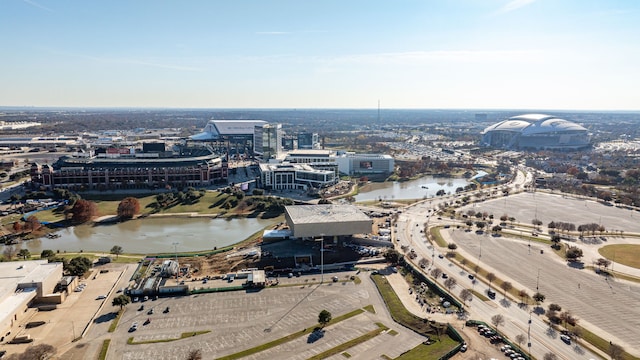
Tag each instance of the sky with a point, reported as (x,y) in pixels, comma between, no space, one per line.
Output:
(413,54)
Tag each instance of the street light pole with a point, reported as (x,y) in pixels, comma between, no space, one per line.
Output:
(175,246)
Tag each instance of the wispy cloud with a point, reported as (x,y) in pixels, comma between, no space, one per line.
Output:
(514,5)
(35,4)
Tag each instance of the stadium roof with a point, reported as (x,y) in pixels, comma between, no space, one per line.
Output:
(216,129)
(531,124)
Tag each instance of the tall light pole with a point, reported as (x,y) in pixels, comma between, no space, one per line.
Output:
(175,246)
(321,258)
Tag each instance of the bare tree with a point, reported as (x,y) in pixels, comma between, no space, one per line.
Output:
(195,355)
(520,339)
(10,252)
(523,295)
(36,352)
(550,356)
(466,295)
(436,272)
(450,283)
(491,277)
(497,320)
(506,286)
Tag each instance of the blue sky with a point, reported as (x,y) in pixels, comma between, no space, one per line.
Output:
(493,54)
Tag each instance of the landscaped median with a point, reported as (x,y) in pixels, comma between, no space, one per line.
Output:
(402,316)
(289,337)
(351,343)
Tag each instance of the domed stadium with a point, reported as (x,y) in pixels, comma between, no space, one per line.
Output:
(536,132)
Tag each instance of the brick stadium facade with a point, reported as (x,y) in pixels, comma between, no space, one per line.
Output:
(195,168)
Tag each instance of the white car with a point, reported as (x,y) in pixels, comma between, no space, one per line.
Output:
(101,297)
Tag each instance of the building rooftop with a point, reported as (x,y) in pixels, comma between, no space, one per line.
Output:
(326,213)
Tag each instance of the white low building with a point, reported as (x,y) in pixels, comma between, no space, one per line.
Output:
(23,283)
(349,163)
(310,221)
(286,176)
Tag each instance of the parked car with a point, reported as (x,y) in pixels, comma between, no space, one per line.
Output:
(133,327)
(101,297)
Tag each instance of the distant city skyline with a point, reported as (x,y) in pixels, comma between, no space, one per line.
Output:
(412,54)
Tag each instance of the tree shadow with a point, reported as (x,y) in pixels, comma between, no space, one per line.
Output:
(505,303)
(538,310)
(552,333)
(105,317)
(578,349)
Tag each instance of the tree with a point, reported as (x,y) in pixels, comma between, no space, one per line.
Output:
(520,339)
(602,262)
(128,207)
(32,223)
(497,320)
(550,356)
(538,297)
(9,252)
(36,352)
(392,256)
(195,355)
(423,263)
(121,300)
(79,265)
(116,250)
(83,211)
(491,276)
(324,317)
(555,307)
(506,286)
(436,272)
(466,295)
(523,295)
(24,254)
(45,254)
(450,283)
(17,227)
(573,253)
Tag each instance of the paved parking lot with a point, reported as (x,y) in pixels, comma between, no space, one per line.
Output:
(607,304)
(71,318)
(240,320)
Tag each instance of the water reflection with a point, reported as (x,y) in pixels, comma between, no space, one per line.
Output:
(422,188)
(152,235)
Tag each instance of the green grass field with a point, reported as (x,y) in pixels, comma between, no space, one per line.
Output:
(626,254)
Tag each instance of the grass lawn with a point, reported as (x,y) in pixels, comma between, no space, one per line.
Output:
(104,349)
(599,342)
(626,254)
(433,351)
(402,316)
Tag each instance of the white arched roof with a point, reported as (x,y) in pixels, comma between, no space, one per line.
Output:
(530,124)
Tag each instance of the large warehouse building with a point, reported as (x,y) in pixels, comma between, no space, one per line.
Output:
(309,221)
(536,132)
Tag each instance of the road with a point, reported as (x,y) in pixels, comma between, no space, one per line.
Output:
(409,226)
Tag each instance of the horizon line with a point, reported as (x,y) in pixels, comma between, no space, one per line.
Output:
(29,107)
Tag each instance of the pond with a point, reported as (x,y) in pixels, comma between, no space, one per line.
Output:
(425,187)
(152,235)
